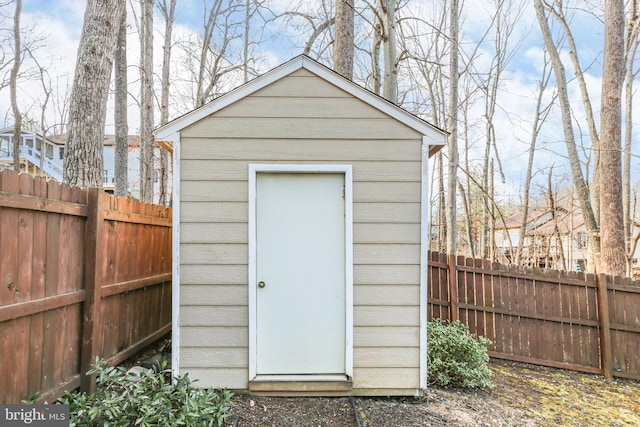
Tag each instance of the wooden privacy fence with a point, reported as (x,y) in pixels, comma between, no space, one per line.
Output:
(568,320)
(82,274)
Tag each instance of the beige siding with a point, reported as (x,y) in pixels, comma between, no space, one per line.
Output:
(321,150)
(300,119)
(380,378)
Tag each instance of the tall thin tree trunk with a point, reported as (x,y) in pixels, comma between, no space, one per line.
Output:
(453,130)
(344,47)
(442,217)
(613,256)
(535,129)
(13,86)
(83,156)
(146,104)
(375,59)
(122,127)
(574,160)
(631,48)
(168,12)
(390,88)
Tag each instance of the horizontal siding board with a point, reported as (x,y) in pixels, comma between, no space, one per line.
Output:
(399,213)
(299,128)
(380,357)
(386,232)
(262,106)
(222,357)
(213,170)
(214,316)
(387,171)
(213,295)
(386,336)
(230,254)
(214,191)
(386,274)
(386,315)
(386,192)
(214,337)
(386,378)
(214,212)
(235,379)
(213,274)
(203,232)
(238,170)
(297,86)
(296,150)
(386,254)
(386,295)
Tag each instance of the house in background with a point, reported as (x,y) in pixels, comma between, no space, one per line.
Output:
(559,242)
(44,156)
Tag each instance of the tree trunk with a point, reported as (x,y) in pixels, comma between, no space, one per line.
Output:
(13,86)
(122,127)
(613,259)
(442,216)
(631,48)
(344,47)
(83,156)
(535,129)
(572,151)
(168,11)
(453,130)
(390,88)
(146,104)
(376,79)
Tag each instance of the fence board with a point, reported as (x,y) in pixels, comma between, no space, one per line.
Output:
(43,272)
(551,318)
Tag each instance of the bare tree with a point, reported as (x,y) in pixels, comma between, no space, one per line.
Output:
(168,12)
(146,102)
(631,48)
(13,85)
(390,83)
(579,182)
(612,243)
(343,48)
(83,162)
(121,125)
(539,117)
(453,129)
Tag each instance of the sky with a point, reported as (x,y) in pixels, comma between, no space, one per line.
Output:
(59,22)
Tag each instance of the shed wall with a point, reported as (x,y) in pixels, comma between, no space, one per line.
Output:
(300,119)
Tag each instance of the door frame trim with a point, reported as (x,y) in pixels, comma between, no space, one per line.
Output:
(254,169)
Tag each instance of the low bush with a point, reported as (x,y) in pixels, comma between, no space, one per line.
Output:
(145,398)
(456,357)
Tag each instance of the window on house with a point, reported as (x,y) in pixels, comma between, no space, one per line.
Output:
(106,176)
(61,153)
(583,241)
(155,176)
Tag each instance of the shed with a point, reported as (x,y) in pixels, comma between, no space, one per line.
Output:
(300,238)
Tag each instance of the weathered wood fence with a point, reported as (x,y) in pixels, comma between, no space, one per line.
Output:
(82,274)
(568,320)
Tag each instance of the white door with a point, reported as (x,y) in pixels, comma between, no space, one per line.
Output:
(300,268)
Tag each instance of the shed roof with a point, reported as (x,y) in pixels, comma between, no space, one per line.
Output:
(433,136)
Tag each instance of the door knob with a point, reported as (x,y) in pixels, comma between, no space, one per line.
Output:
(261,284)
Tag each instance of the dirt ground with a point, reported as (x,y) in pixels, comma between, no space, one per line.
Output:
(523,395)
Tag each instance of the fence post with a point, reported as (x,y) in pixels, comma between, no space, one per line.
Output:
(92,311)
(605,329)
(453,288)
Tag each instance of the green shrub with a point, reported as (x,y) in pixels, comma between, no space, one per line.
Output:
(456,357)
(145,398)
